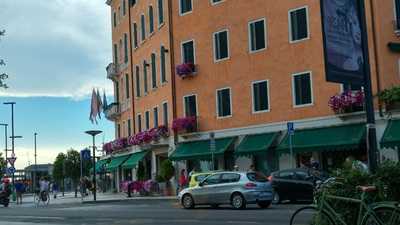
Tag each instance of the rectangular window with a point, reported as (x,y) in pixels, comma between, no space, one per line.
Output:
(114,19)
(146,89)
(139,122)
(115,54)
(147,120)
(298,26)
(397,13)
(129,128)
(135,38)
(224,105)
(260,96)
(117,91)
(185,6)
(132,3)
(151,19)
(125,48)
(143,26)
(137,74)
(187,49)
(160,12)
(214,2)
(162,62)
(190,103)
(221,45)
(127,85)
(165,113)
(119,131)
(123,7)
(155,116)
(302,89)
(153,71)
(257,35)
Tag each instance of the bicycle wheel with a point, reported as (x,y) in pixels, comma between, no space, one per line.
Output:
(384,215)
(310,215)
(36,199)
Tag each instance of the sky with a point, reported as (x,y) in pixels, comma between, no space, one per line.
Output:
(56,52)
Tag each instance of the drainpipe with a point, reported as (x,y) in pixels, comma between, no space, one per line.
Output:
(172,60)
(131,62)
(376,54)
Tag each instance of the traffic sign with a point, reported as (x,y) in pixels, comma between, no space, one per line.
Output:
(290,128)
(11,170)
(11,160)
(85,154)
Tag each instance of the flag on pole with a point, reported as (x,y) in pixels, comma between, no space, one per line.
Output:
(93,107)
(99,104)
(105,104)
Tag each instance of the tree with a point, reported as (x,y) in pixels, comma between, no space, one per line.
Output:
(3,164)
(73,163)
(3,76)
(58,173)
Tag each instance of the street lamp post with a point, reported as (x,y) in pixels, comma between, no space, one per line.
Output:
(5,141)
(93,133)
(12,130)
(35,175)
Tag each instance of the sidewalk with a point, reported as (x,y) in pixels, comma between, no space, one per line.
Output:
(118,197)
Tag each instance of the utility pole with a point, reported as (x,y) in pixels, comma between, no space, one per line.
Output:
(63,176)
(93,133)
(35,174)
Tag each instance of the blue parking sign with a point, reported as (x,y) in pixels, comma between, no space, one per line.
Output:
(290,128)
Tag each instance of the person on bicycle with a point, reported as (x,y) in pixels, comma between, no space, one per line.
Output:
(44,188)
(6,188)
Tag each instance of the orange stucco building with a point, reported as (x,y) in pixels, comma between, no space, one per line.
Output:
(240,68)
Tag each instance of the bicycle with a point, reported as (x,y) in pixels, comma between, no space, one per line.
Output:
(323,213)
(41,197)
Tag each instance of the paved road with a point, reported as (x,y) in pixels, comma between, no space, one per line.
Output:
(141,212)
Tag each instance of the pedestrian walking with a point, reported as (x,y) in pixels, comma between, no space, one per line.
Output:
(55,190)
(182,180)
(19,189)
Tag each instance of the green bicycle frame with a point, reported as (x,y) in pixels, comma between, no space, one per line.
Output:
(364,207)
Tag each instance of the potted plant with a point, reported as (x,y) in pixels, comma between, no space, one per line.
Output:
(347,102)
(185,125)
(185,69)
(167,171)
(161,182)
(391,98)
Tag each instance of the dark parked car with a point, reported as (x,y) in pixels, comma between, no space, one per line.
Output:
(294,184)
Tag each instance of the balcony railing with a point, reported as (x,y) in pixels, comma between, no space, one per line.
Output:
(112,71)
(113,111)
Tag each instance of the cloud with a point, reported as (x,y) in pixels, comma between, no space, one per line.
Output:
(56,48)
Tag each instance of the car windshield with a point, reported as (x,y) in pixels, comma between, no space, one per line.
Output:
(200,178)
(257,177)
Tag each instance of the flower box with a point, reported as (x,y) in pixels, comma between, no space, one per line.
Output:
(347,102)
(185,125)
(185,70)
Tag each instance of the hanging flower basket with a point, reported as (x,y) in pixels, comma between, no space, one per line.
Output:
(185,125)
(185,70)
(347,102)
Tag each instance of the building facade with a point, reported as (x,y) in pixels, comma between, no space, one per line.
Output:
(238,70)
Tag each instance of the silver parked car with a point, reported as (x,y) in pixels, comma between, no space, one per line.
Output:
(235,188)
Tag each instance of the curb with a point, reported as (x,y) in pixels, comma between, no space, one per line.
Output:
(129,199)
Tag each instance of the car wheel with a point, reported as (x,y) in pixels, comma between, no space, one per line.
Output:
(276,198)
(187,202)
(238,202)
(264,204)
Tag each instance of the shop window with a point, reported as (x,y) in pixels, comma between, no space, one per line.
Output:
(257,35)
(298,24)
(221,45)
(302,89)
(224,105)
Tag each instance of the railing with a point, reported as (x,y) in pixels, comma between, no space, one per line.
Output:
(112,71)
(113,111)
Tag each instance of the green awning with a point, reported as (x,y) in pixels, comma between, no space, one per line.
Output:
(345,137)
(257,143)
(116,162)
(200,149)
(391,136)
(100,165)
(133,160)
